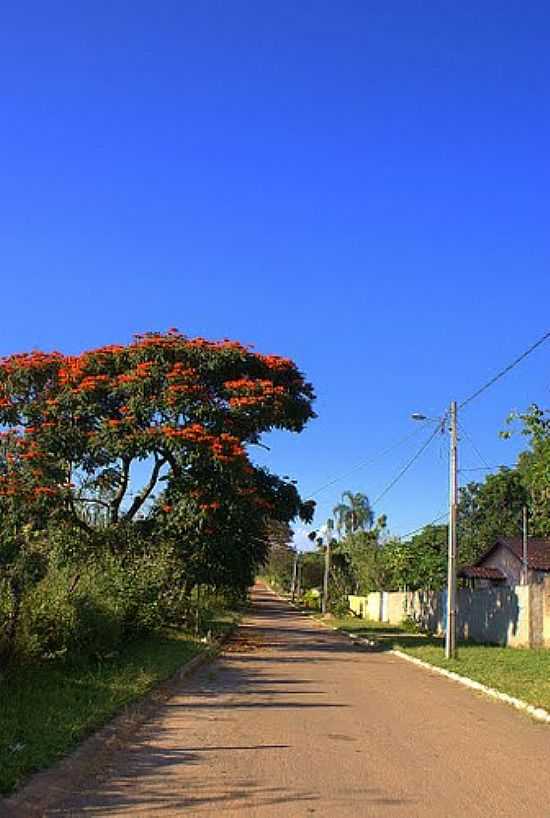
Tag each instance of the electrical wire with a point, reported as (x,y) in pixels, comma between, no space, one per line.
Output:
(364,463)
(473,445)
(486,467)
(421,527)
(410,462)
(504,371)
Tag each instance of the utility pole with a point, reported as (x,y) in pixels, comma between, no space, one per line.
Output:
(525,558)
(450,635)
(298,575)
(294,576)
(324,601)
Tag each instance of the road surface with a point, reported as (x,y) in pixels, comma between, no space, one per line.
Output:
(294,721)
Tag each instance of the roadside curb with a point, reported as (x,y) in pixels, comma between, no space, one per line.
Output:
(537,713)
(46,787)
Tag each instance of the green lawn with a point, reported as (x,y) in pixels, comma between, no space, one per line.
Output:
(46,709)
(518,672)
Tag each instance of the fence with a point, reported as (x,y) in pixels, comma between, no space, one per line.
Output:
(518,616)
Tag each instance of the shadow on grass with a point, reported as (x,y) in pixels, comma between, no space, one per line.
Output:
(390,637)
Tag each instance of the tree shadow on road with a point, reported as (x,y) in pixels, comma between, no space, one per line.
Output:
(166,768)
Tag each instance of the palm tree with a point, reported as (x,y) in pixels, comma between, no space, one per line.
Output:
(354,515)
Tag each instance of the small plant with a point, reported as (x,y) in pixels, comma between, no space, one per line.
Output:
(340,607)
(410,625)
(312,599)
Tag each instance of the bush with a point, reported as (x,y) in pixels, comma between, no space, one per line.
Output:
(312,599)
(410,625)
(57,621)
(88,611)
(340,606)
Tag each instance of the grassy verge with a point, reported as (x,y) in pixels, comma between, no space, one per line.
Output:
(45,710)
(519,672)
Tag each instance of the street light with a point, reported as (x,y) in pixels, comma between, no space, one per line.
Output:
(450,632)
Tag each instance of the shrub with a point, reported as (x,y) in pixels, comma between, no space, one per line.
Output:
(58,620)
(410,625)
(312,599)
(340,606)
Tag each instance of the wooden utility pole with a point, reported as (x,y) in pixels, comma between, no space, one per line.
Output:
(298,575)
(525,560)
(324,601)
(294,576)
(450,635)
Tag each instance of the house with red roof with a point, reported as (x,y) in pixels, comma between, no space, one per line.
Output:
(503,563)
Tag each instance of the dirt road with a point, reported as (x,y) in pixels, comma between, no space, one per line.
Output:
(295,721)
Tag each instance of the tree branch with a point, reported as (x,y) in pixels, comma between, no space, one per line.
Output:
(142,496)
(174,465)
(119,496)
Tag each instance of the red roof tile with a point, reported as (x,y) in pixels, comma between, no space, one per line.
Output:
(538,551)
(480,572)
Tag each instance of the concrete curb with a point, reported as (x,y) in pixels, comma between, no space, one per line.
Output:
(538,713)
(50,785)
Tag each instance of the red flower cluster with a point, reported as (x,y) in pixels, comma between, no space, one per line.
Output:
(45,491)
(276,362)
(227,448)
(253,393)
(93,382)
(142,370)
(195,433)
(71,371)
(30,361)
(180,371)
(224,447)
(213,506)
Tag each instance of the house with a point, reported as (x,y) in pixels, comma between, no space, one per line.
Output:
(502,564)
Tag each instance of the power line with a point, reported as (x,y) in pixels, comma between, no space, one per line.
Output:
(488,468)
(410,462)
(473,445)
(421,527)
(364,463)
(506,369)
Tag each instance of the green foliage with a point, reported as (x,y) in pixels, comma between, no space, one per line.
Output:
(279,566)
(312,570)
(86,561)
(409,625)
(534,467)
(488,510)
(353,513)
(312,599)
(420,562)
(45,712)
(56,623)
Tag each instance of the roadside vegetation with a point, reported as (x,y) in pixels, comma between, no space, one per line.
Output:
(131,517)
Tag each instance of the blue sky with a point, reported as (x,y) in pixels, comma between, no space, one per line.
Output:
(362,186)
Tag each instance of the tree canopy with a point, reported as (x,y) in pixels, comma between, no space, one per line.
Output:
(77,431)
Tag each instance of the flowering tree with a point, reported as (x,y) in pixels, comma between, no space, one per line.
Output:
(75,425)
(73,428)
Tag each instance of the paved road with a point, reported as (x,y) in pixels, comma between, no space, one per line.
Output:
(294,721)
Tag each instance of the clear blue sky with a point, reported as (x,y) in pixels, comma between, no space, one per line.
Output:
(363,186)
